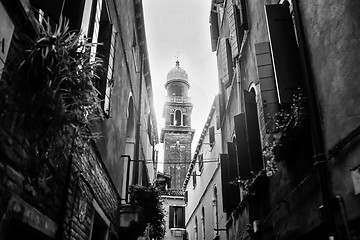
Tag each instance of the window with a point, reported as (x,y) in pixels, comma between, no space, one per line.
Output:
(200,158)
(176,217)
(212,136)
(100,224)
(102,31)
(194,178)
(196,229)
(135,52)
(203,222)
(215,212)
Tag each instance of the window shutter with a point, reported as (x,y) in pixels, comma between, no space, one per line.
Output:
(194,178)
(171,216)
(226,68)
(233,14)
(233,175)
(233,169)
(214,29)
(212,135)
(267,83)
(242,146)
(186,197)
(225,181)
(217,111)
(253,133)
(181,217)
(284,51)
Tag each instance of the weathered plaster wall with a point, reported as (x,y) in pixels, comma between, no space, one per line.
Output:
(332,29)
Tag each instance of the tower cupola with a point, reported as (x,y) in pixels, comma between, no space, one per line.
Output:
(177,83)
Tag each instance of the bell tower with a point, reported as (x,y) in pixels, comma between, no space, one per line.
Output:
(177,134)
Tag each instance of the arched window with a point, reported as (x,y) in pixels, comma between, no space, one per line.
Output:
(178,118)
(130,127)
(172,117)
(184,120)
(215,211)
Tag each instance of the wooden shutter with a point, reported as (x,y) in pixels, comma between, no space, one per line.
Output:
(267,83)
(233,15)
(171,216)
(225,181)
(217,111)
(253,133)
(194,178)
(181,217)
(233,168)
(186,198)
(226,66)
(284,51)
(242,146)
(214,29)
(212,135)
(233,176)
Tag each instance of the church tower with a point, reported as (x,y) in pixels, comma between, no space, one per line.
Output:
(177,134)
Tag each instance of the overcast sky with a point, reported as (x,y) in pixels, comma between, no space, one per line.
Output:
(181,26)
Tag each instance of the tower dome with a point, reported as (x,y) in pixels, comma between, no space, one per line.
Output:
(177,74)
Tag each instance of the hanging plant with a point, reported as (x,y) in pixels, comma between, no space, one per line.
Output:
(48,99)
(148,198)
(287,122)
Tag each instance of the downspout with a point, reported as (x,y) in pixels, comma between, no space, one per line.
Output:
(138,124)
(316,130)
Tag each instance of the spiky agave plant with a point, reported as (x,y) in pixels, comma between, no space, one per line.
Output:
(50,97)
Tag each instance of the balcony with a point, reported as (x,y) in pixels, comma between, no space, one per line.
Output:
(178,99)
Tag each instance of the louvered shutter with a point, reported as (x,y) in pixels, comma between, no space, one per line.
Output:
(171,216)
(242,146)
(234,18)
(225,181)
(226,68)
(214,29)
(267,83)
(284,50)
(253,133)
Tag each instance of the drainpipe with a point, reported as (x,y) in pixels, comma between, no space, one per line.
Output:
(138,124)
(316,131)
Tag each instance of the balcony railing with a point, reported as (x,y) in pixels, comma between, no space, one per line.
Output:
(178,99)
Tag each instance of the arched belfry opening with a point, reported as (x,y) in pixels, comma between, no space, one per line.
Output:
(178,118)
